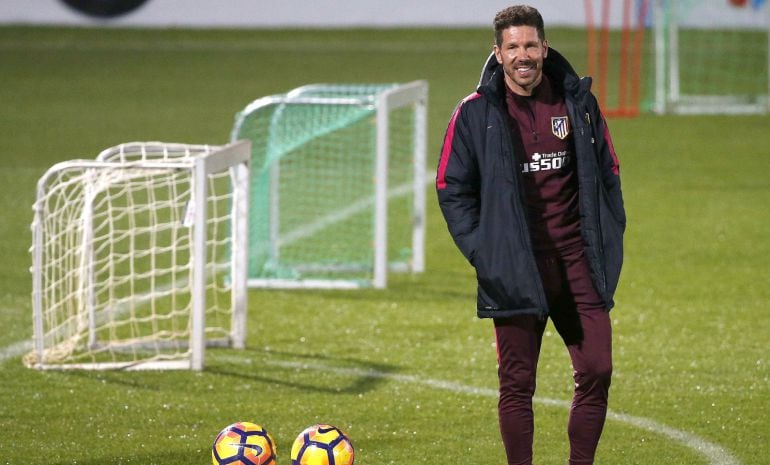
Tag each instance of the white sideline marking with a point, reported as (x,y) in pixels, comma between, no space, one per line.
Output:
(15,349)
(715,454)
(345,213)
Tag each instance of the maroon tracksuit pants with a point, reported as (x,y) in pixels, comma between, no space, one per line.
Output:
(580,317)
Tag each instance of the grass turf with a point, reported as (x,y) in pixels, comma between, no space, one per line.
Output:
(690,326)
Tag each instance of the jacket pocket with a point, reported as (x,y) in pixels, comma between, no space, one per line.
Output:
(488,273)
(614,204)
(612,230)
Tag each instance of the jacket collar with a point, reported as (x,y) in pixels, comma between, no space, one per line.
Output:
(555,66)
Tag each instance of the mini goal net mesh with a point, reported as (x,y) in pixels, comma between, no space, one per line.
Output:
(712,56)
(337,194)
(135,257)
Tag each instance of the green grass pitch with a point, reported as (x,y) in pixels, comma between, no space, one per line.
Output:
(409,372)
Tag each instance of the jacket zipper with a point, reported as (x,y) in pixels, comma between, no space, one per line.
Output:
(572,107)
(524,227)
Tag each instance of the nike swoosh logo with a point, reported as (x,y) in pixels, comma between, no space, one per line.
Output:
(254,447)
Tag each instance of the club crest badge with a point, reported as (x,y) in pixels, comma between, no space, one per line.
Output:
(560,126)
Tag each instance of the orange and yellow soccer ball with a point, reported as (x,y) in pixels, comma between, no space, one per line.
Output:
(322,445)
(243,443)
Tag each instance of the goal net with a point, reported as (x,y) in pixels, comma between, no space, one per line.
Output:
(139,257)
(711,56)
(338,184)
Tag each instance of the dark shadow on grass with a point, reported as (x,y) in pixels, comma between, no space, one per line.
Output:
(113,377)
(259,366)
(361,376)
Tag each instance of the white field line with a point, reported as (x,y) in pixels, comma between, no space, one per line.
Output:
(15,349)
(341,215)
(21,347)
(713,453)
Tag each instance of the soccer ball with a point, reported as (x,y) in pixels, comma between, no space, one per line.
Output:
(322,445)
(243,443)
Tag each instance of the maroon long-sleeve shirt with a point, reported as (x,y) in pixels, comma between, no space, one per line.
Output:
(544,154)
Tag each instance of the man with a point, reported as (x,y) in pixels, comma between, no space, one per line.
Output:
(529,187)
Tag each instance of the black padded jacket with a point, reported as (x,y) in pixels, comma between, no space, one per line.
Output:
(479,194)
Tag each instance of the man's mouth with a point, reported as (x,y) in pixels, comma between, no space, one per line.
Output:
(525,68)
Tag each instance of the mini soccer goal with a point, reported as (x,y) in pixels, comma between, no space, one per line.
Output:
(712,56)
(139,257)
(338,184)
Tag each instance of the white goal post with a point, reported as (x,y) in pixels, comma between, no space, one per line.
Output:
(139,257)
(338,184)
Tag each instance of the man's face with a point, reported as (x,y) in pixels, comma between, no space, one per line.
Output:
(521,53)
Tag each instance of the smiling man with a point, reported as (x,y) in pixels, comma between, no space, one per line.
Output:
(528,183)
(521,51)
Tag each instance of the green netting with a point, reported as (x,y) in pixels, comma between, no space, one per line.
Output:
(312,194)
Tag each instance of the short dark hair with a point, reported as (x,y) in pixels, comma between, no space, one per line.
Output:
(518,15)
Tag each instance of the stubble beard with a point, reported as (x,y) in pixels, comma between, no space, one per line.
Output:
(525,75)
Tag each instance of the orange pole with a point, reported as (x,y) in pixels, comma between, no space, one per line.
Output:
(628,67)
(624,52)
(636,71)
(591,58)
(604,52)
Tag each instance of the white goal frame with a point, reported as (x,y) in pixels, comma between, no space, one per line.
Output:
(398,96)
(119,164)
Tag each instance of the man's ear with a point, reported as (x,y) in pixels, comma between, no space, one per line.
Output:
(496,49)
(546,46)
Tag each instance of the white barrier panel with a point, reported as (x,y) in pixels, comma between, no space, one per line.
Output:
(343,13)
(288,13)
